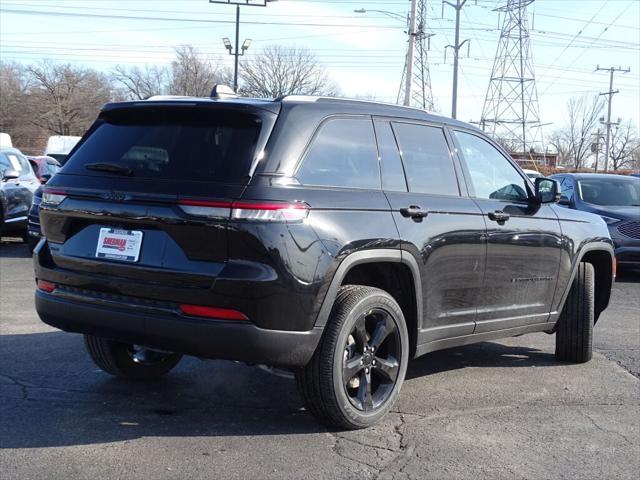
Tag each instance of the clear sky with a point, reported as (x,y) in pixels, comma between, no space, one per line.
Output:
(364,53)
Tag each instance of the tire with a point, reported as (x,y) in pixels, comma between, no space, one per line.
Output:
(574,335)
(345,351)
(129,361)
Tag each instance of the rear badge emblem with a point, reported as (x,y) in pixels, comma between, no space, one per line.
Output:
(116,196)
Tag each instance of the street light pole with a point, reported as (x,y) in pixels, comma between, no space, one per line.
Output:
(235,63)
(237,51)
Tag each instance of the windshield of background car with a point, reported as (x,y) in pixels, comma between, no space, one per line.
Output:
(15,161)
(610,191)
(171,144)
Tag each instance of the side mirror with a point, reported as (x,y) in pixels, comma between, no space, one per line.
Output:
(547,190)
(10,174)
(564,200)
(45,178)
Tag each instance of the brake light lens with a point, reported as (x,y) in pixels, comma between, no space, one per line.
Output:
(53,197)
(45,286)
(270,212)
(212,312)
(285,212)
(206,208)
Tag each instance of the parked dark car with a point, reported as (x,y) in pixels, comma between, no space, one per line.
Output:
(44,167)
(17,184)
(335,238)
(33,222)
(615,198)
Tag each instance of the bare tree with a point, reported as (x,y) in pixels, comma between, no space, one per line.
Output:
(623,142)
(558,140)
(280,71)
(14,114)
(583,118)
(193,75)
(66,98)
(139,83)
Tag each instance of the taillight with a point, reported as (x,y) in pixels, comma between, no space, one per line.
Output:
(53,197)
(247,210)
(212,312)
(270,211)
(206,208)
(45,286)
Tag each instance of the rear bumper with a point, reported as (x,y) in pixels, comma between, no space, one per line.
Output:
(192,336)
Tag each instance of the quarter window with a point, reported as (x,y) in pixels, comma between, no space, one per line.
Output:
(342,154)
(427,160)
(492,175)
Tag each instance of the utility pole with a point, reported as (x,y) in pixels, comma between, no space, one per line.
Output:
(596,150)
(410,50)
(456,49)
(610,94)
(420,95)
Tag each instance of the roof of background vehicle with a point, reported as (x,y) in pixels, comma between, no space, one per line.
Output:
(44,158)
(585,176)
(341,106)
(10,150)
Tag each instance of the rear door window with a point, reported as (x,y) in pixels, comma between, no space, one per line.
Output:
(172,144)
(342,154)
(427,160)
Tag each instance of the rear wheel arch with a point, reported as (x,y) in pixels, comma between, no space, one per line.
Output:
(389,270)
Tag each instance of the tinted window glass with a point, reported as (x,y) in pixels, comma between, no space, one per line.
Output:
(427,160)
(189,144)
(19,163)
(390,163)
(492,175)
(342,154)
(610,191)
(566,188)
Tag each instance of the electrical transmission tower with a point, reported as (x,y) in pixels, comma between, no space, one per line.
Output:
(510,113)
(419,89)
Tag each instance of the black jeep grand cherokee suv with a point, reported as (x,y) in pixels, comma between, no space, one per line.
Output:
(336,238)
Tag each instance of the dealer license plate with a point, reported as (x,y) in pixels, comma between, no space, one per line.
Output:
(118,244)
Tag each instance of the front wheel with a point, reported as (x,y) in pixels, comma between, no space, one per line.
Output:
(132,362)
(356,373)
(574,335)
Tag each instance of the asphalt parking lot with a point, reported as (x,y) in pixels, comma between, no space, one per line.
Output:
(493,410)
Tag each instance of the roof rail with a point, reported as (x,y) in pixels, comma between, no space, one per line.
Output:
(311,98)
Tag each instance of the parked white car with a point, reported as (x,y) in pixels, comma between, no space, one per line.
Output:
(532,174)
(59,146)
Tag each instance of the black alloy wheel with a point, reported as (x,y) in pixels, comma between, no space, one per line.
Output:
(357,370)
(370,367)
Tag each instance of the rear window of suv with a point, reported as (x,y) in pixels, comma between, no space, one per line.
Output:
(172,144)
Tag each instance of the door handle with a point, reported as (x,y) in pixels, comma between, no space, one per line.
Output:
(499,216)
(414,211)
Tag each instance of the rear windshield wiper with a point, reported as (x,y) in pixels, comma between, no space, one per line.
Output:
(108,167)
